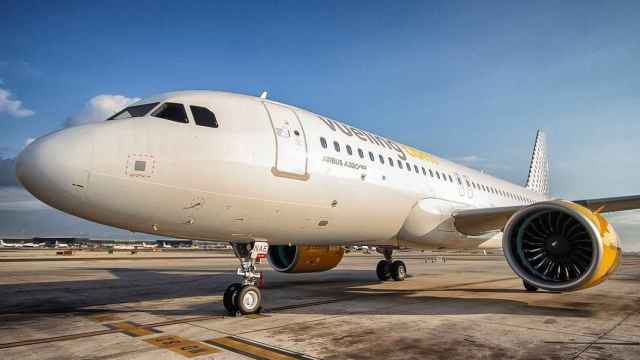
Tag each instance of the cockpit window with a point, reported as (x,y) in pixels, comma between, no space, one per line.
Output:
(133,111)
(171,111)
(204,116)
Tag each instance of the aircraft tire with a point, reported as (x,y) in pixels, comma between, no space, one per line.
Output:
(229,298)
(249,300)
(383,270)
(528,286)
(398,270)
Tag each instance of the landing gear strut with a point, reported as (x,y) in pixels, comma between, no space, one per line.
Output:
(388,268)
(245,297)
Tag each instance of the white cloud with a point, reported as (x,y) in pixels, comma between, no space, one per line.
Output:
(99,108)
(479,162)
(470,159)
(12,107)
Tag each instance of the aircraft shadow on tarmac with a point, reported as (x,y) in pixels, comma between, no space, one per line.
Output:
(298,293)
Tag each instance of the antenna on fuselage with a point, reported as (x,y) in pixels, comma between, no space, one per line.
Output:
(264,95)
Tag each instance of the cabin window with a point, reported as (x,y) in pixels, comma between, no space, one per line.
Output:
(381,159)
(415,168)
(408,166)
(323,142)
(203,116)
(133,111)
(450,178)
(349,151)
(371,156)
(336,146)
(459,181)
(431,172)
(437,174)
(390,161)
(361,153)
(424,172)
(400,164)
(171,111)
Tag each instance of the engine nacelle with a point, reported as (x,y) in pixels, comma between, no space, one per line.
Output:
(304,258)
(561,246)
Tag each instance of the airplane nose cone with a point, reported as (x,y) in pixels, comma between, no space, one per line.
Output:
(55,168)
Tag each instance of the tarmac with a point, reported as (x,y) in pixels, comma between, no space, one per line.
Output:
(161,305)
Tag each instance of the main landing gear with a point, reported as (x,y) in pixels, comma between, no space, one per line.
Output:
(245,297)
(388,268)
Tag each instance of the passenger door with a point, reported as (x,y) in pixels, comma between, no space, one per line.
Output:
(291,144)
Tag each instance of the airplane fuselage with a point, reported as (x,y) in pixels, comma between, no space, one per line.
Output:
(269,171)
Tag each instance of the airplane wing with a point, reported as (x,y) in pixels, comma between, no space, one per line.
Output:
(481,221)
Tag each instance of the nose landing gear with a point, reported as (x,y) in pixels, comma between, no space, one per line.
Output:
(388,268)
(245,297)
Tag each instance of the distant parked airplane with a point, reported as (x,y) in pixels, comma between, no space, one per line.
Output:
(31,245)
(10,245)
(248,170)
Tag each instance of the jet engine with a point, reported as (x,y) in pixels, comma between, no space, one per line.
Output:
(561,246)
(304,258)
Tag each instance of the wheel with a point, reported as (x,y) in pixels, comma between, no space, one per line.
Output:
(398,270)
(528,286)
(383,270)
(249,300)
(229,298)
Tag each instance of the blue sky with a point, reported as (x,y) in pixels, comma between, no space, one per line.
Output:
(466,80)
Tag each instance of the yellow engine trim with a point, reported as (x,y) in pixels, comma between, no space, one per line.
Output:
(310,258)
(611,251)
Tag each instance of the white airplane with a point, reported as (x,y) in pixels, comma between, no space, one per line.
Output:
(10,245)
(220,166)
(31,245)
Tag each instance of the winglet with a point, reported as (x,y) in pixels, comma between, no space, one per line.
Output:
(538,179)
